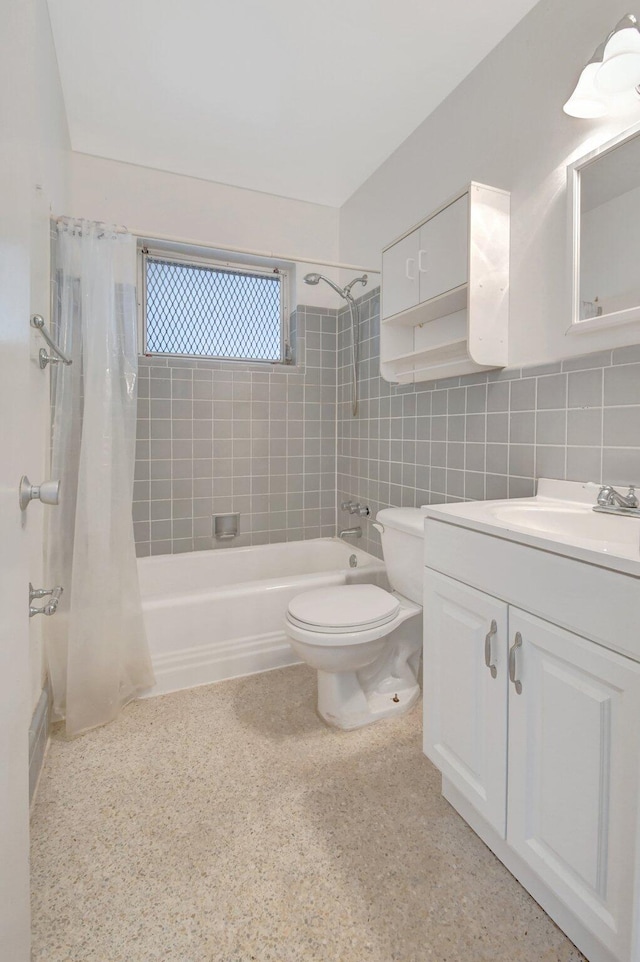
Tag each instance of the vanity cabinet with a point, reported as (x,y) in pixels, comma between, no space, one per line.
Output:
(465,719)
(445,290)
(536,731)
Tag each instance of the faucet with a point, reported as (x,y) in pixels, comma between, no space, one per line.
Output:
(611,501)
(351,533)
(356,508)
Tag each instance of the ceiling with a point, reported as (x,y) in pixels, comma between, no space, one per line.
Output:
(294,98)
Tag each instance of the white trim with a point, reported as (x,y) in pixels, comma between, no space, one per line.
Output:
(615,318)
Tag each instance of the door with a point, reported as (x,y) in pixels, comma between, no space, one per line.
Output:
(443,255)
(15,435)
(465,692)
(574,741)
(400,284)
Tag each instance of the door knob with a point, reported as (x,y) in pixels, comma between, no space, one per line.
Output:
(48,492)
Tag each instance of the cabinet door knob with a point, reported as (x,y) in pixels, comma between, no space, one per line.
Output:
(493,630)
(407,270)
(517,643)
(421,264)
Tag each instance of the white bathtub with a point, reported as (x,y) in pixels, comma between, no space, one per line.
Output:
(218,614)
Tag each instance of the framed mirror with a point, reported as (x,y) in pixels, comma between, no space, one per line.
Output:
(604,194)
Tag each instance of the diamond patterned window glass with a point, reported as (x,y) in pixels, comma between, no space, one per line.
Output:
(203,311)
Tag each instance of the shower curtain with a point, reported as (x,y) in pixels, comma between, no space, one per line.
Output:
(96,645)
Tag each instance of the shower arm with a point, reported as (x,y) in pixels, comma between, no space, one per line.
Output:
(345,293)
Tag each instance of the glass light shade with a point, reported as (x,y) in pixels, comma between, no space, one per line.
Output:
(625,103)
(620,68)
(586,101)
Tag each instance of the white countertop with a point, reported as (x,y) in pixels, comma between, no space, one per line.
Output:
(560,518)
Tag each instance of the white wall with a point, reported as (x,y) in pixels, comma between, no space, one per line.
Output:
(203,212)
(504,126)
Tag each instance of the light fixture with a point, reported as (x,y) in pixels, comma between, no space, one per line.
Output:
(609,82)
(620,68)
(586,101)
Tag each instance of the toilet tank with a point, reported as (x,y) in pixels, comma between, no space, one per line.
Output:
(403,549)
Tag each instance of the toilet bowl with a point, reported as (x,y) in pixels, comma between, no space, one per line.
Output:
(365,642)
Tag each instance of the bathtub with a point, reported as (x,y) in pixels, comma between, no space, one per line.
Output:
(218,614)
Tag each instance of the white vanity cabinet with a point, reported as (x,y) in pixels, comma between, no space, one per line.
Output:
(536,731)
(465,718)
(574,741)
(445,289)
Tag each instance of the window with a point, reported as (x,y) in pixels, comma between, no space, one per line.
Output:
(192,308)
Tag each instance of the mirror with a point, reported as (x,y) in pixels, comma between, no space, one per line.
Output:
(605,191)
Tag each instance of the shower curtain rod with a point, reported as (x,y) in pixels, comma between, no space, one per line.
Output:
(225,249)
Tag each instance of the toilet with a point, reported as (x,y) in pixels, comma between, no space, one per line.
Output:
(365,642)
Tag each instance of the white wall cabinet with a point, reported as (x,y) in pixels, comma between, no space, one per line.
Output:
(444,250)
(401,263)
(546,752)
(445,289)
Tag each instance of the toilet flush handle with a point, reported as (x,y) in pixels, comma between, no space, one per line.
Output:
(378,526)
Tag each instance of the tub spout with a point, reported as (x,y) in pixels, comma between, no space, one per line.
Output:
(351,533)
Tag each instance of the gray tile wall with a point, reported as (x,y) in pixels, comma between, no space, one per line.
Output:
(218,437)
(483,436)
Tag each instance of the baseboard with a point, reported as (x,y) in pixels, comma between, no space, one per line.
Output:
(206,664)
(39,739)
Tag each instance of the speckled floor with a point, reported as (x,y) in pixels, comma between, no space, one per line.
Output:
(228,824)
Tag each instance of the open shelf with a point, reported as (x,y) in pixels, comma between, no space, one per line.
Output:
(441,306)
(429,356)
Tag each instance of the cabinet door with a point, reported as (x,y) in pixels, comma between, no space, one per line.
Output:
(443,253)
(400,285)
(574,740)
(465,701)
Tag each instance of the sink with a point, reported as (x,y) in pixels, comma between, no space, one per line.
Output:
(560,517)
(568,520)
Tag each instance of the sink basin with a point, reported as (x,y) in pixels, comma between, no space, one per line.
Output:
(560,518)
(568,520)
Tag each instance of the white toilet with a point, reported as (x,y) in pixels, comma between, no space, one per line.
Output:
(364,641)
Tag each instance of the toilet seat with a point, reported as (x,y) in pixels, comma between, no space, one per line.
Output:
(347,608)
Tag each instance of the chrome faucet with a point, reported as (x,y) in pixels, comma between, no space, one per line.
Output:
(351,533)
(612,502)
(356,508)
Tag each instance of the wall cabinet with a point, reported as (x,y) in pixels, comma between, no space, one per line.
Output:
(538,729)
(445,290)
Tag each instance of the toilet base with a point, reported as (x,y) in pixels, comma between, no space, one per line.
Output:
(344,704)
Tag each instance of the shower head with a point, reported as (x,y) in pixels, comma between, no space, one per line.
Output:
(343,292)
(316,278)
